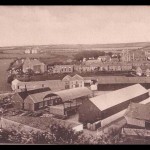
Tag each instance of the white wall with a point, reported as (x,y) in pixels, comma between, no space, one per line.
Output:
(136,122)
(78,128)
(112,118)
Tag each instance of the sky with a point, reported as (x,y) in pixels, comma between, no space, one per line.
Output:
(43,25)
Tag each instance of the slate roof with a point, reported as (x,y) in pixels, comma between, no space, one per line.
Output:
(138,111)
(54,85)
(76,77)
(25,94)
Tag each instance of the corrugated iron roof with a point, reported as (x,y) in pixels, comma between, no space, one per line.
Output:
(74,93)
(138,111)
(108,100)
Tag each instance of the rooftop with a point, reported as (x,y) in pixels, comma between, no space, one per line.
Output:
(138,111)
(74,93)
(111,99)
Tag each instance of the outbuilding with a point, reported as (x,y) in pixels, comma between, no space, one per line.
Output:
(65,102)
(138,115)
(111,106)
(54,85)
(30,100)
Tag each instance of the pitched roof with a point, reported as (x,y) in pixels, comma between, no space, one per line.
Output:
(121,79)
(38,97)
(15,81)
(54,85)
(25,94)
(66,78)
(111,99)
(77,77)
(138,111)
(74,93)
(32,61)
(42,123)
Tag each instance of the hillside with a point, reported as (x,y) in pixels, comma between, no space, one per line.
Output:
(79,46)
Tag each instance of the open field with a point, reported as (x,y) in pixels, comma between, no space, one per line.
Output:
(79,46)
(4,64)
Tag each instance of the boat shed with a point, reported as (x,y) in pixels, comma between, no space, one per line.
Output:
(111,106)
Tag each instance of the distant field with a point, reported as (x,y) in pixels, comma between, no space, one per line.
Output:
(4,64)
(76,47)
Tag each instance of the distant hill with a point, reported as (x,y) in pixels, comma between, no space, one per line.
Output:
(80,46)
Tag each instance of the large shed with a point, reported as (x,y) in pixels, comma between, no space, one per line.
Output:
(63,102)
(110,106)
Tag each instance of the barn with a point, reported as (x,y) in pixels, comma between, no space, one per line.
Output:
(138,115)
(30,99)
(111,106)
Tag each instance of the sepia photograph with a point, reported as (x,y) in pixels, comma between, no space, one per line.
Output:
(74,75)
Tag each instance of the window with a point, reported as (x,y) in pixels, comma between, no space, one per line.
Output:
(69,68)
(45,103)
(40,104)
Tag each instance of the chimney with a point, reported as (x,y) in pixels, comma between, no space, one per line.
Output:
(25,88)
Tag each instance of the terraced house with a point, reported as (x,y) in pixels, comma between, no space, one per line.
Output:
(62,69)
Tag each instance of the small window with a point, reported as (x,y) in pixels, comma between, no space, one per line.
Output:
(69,68)
(45,103)
(41,105)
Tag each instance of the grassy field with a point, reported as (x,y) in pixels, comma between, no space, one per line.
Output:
(4,64)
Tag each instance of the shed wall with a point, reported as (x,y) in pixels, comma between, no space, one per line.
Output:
(28,104)
(88,112)
(136,122)
(18,102)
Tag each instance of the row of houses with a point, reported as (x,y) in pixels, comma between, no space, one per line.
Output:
(38,67)
(103,67)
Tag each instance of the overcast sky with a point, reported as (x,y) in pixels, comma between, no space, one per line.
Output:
(27,25)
